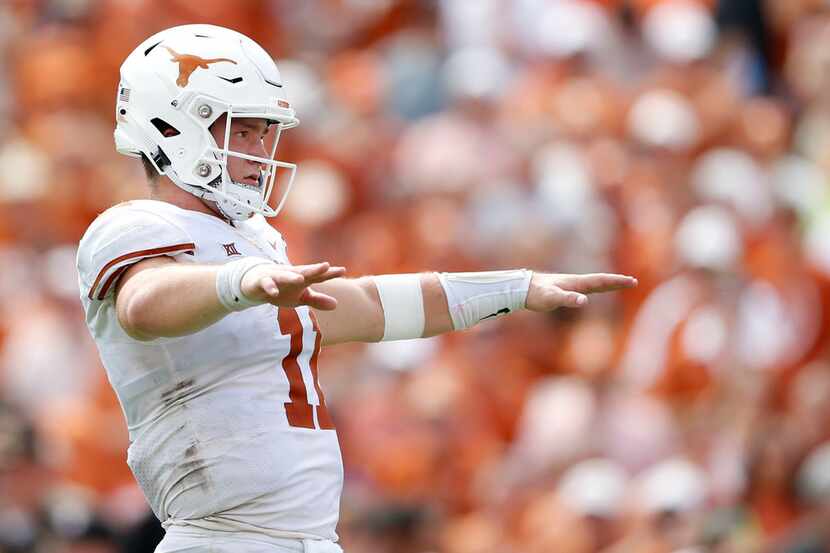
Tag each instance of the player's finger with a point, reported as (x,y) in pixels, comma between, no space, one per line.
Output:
(597,282)
(288,278)
(570,299)
(313,270)
(317,300)
(332,272)
(269,286)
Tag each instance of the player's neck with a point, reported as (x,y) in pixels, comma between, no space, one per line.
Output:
(166,191)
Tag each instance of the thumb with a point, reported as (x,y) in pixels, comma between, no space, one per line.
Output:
(269,286)
(572,299)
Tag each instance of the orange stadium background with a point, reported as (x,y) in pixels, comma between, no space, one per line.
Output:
(684,142)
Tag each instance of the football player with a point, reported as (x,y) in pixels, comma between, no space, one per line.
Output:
(210,337)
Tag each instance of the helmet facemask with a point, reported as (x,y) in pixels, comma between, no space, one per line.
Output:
(239,200)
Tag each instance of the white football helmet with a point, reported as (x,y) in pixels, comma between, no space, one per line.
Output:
(175,85)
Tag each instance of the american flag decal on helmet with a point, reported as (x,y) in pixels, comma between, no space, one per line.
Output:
(123,94)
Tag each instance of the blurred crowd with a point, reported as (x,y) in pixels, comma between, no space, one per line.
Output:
(686,142)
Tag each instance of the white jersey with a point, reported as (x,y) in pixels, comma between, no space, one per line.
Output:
(228,426)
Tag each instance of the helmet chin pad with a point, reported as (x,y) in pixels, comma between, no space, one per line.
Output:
(239,205)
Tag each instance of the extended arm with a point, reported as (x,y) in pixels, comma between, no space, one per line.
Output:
(159,297)
(360,315)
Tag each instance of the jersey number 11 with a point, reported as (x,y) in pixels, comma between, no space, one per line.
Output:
(299,410)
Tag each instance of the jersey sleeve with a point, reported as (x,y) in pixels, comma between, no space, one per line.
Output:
(120,238)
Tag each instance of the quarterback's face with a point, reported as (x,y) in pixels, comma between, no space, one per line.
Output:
(250,136)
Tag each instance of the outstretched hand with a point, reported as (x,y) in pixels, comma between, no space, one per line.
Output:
(290,285)
(549,291)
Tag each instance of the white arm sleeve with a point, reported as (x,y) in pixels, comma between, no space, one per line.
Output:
(471,298)
(403,306)
(474,297)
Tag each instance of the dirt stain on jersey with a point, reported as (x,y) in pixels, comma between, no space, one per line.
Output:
(188,63)
(195,475)
(177,392)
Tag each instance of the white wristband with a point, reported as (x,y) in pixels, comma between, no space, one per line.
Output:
(229,283)
(403,306)
(474,297)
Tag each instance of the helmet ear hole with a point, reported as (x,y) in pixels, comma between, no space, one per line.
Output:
(166,129)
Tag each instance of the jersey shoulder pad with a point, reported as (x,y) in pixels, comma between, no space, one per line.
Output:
(122,236)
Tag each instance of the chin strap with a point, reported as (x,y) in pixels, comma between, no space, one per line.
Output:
(195,190)
(161,160)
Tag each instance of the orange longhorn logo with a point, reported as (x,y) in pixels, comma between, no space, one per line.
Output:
(189,63)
